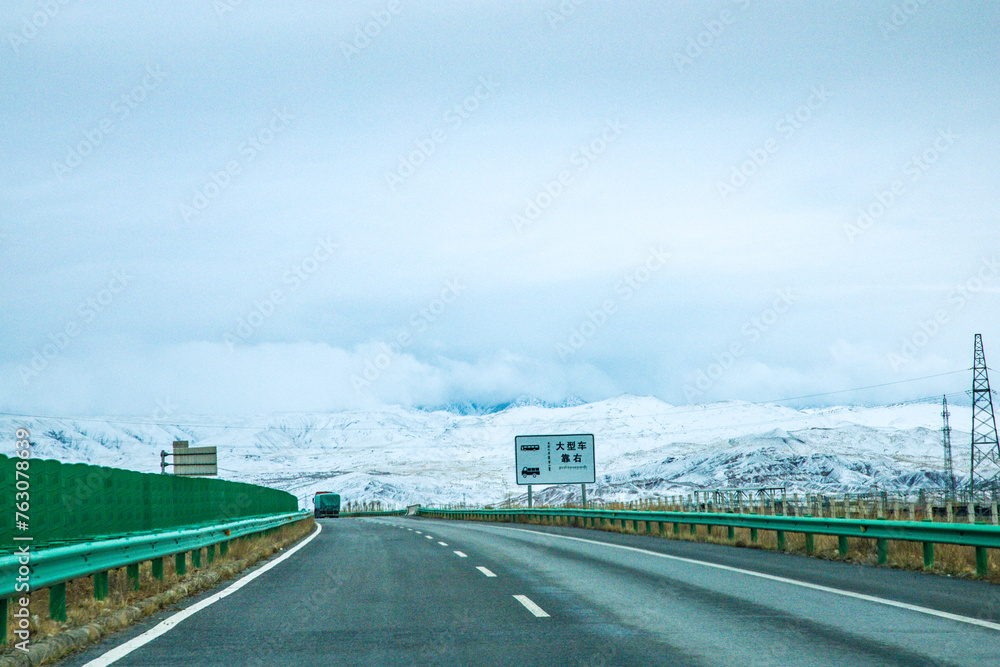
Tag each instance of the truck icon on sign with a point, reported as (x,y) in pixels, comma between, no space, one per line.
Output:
(530,448)
(530,472)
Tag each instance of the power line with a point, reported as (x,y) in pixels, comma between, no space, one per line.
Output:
(871,386)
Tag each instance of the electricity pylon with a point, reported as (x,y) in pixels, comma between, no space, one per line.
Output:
(949,469)
(984,468)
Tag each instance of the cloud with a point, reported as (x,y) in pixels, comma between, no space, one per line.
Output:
(257,120)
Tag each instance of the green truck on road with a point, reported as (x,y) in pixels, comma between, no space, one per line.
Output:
(326,504)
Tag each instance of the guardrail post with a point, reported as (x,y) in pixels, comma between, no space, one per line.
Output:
(210,552)
(693,529)
(57,602)
(196,558)
(780,535)
(157,567)
(731,533)
(101,585)
(180,564)
(133,575)
(810,544)
(842,545)
(753,534)
(982,562)
(677,528)
(3,620)
(223,547)
(882,548)
(928,555)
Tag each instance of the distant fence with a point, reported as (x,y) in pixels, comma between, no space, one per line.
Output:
(926,504)
(70,502)
(374,513)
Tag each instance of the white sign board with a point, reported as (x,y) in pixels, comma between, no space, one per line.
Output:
(554,459)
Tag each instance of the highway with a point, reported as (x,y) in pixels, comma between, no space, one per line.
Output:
(407,591)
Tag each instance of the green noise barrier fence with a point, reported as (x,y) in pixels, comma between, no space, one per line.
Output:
(55,503)
(979,536)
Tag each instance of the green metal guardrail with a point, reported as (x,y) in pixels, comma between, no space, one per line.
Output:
(69,502)
(981,537)
(51,568)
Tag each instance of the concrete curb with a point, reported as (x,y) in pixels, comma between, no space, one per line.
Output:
(59,646)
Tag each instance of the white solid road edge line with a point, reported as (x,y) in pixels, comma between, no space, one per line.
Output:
(165,625)
(770,577)
(531,606)
(485,571)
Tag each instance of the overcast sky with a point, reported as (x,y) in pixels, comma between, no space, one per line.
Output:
(226,206)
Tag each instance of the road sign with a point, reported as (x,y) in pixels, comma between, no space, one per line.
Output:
(554,459)
(194,461)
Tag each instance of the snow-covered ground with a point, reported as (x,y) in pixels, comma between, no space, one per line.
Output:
(644,448)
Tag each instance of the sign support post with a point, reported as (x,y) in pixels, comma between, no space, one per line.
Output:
(554,459)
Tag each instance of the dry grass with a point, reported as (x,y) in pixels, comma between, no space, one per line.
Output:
(82,608)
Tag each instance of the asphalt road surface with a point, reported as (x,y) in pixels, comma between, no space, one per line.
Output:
(406,591)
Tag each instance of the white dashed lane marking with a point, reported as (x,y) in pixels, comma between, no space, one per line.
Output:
(531,606)
(460,554)
(485,571)
(442,544)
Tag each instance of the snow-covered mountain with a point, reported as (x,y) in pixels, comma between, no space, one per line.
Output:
(644,447)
